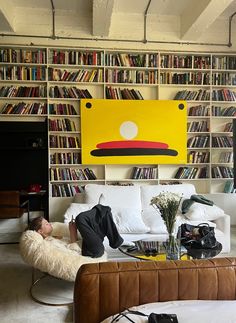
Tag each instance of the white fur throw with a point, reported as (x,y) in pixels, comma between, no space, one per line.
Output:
(56,257)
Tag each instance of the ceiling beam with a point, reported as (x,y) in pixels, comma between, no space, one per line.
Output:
(196,19)
(102,13)
(6,16)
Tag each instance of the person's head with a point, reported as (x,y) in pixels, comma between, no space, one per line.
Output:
(41,225)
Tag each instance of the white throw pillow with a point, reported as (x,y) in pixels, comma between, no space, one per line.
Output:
(114,195)
(152,218)
(74,209)
(203,212)
(129,220)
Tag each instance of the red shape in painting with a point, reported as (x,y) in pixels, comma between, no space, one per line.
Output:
(132,144)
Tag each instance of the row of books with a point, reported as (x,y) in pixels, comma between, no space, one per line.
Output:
(144,173)
(202,62)
(71,174)
(23,91)
(176,61)
(122,94)
(224,79)
(223,95)
(10,55)
(19,73)
(120,183)
(200,95)
(62,125)
(66,190)
(195,78)
(229,187)
(185,61)
(78,57)
(218,111)
(198,62)
(198,126)
(226,157)
(192,172)
(199,111)
(222,141)
(81,75)
(131,76)
(24,108)
(224,62)
(222,172)
(228,127)
(38,108)
(131,60)
(197,157)
(198,142)
(68,92)
(65,158)
(62,109)
(72,57)
(56,141)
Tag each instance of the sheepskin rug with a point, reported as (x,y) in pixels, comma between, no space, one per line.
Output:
(54,256)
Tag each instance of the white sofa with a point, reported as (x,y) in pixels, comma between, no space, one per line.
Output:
(136,219)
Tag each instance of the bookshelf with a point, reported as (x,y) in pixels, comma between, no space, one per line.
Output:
(48,82)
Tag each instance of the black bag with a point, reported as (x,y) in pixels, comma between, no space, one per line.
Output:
(200,236)
(152,318)
(162,318)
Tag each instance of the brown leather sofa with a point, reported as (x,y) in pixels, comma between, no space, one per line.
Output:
(108,288)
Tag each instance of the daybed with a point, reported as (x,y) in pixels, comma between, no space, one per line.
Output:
(52,256)
(136,219)
(102,290)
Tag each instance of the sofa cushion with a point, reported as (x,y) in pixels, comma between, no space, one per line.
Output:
(129,220)
(74,209)
(204,311)
(152,218)
(204,212)
(149,191)
(113,195)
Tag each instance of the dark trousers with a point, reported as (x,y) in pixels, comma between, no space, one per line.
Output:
(93,226)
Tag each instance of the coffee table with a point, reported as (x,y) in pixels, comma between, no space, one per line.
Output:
(161,255)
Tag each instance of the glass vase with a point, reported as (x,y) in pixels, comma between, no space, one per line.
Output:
(172,248)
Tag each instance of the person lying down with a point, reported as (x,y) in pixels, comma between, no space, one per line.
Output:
(60,250)
(86,233)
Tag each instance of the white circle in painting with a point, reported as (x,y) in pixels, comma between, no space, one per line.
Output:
(128,130)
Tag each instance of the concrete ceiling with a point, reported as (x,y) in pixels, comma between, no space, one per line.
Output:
(105,18)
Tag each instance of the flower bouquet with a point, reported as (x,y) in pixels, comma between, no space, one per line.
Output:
(167,204)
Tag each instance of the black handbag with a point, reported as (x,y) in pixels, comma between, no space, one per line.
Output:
(200,236)
(152,318)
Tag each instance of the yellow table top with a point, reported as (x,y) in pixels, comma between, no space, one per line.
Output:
(159,257)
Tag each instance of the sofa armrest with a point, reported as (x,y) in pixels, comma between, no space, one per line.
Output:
(223,224)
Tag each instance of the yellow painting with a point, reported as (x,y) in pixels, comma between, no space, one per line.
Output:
(133,131)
